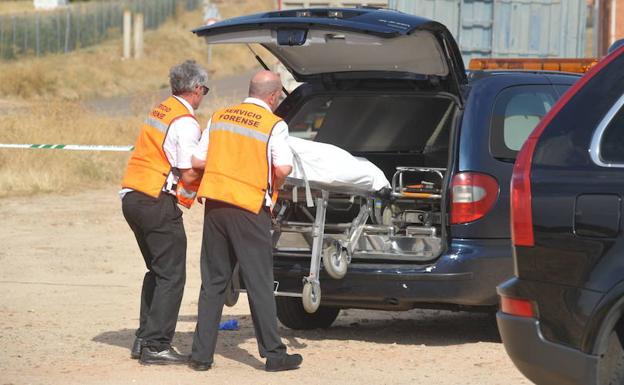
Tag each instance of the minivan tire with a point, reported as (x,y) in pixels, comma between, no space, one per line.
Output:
(291,314)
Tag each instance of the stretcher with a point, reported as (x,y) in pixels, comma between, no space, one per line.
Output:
(335,251)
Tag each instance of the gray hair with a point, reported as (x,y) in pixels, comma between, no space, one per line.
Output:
(186,77)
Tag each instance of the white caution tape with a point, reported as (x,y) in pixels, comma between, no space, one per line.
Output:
(70,147)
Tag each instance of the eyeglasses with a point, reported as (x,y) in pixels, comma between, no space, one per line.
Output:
(205,90)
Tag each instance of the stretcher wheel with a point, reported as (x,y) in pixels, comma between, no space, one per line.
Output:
(335,261)
(311,296)
(232,288)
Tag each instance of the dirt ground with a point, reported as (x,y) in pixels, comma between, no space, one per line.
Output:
(69,300)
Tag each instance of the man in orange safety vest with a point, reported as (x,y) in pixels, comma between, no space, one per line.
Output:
(159,175)
(245,157)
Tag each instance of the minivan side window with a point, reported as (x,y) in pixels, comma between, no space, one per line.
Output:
(612,142)
(517,111)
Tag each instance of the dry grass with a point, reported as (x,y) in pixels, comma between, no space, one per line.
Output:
(32,171)
(52,87)
(16,6)
(100,72)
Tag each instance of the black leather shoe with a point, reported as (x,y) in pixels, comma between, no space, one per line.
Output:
(135,353)
(286,362)
(199,366)
(151,356)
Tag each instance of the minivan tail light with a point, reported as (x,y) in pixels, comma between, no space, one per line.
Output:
(517,307)
(473,195)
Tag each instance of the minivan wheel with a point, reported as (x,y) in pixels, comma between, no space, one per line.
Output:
(611,366)
(291,314)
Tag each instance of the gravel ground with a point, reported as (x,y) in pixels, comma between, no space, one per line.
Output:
(69,302)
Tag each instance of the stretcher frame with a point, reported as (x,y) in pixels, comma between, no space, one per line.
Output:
(336,257)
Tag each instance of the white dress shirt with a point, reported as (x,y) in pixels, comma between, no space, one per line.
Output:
(278,150)
(180,142)
(182,138)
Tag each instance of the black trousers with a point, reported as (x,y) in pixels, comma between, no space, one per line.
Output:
(159,231)
(232,234)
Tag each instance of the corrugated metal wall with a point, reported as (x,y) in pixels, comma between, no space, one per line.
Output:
(539,28)
(475,34)
(446,12)
(508,28)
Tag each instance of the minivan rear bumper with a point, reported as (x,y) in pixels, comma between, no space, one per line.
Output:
(542,361)
(466,275)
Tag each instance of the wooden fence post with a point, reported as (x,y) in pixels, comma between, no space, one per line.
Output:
(127,30)
(37,35)
(67,29)
(138,35)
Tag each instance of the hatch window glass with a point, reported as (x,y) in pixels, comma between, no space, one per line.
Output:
(612,142)
(375,123)
(517,111)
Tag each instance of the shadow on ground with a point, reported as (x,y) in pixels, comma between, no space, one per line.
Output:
(416,327)
(228,344)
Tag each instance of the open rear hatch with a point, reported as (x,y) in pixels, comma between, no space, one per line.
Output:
(316,45)
(350,43)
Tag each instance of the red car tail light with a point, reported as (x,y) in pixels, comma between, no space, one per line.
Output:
(517,307)
(521,214)
(472,196)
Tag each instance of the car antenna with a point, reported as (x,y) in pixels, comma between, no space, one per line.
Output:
(263,64)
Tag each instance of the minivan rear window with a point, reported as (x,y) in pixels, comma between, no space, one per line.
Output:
(375,123)
(517,111)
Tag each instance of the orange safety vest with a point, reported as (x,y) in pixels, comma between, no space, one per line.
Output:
(237,164)
(148,167)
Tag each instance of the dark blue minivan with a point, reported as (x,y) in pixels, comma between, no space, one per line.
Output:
(392,88)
